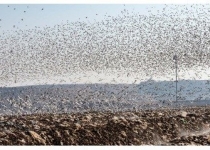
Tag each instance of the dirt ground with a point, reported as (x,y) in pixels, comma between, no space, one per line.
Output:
(186,126)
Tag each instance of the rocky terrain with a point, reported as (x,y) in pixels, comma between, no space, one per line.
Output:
(187,126)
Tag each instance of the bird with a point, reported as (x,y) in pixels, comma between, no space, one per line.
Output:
(120,49)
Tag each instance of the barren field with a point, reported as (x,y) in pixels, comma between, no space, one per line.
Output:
(189,126)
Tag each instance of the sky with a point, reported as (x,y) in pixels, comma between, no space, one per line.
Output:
(23,16)
(27,16)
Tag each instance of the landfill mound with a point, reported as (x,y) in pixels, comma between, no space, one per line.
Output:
(186,126)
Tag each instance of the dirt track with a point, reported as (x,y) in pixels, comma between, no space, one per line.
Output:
(190,126)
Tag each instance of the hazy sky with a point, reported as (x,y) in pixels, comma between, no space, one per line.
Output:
(13,16)
(23,16)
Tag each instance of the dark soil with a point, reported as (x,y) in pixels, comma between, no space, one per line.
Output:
(189,126)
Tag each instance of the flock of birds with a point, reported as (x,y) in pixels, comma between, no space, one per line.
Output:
(132,44)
